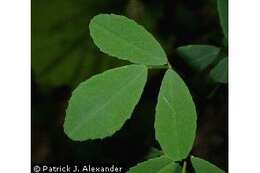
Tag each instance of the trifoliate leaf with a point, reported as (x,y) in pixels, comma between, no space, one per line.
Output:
(175,119)
(123,38)
(100,106)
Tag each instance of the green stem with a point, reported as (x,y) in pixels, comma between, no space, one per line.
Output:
(159,67)
(169,65)
(184,167)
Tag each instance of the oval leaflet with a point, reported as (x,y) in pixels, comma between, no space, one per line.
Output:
(100,106)
(203,166)
(175,119)
(199,57)
(123,38)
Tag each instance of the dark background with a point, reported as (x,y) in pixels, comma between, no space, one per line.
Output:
(63,55)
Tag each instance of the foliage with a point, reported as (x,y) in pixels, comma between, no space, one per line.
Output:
(157,165)
(101,105)
(203,166)
(219,72)
(119,37)
(204,57)
(199,57)
(175,119)
(223,15)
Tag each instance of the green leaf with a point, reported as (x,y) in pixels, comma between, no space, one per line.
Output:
(203,166)
(100,106)
(158,165)
(223,15)
(123,38)
(220,72)
(175,120)
(171,168)
(199,56)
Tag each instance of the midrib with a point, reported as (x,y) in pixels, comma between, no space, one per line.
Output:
(174,121)
(78,126)
(106,29)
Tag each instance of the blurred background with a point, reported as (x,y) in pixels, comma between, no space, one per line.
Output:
(63,55)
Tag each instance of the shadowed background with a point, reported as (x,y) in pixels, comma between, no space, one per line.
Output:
(63,55)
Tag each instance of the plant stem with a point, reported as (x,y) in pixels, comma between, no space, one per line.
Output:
(184,167)
(169,65)
(159,67)
(166,66)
